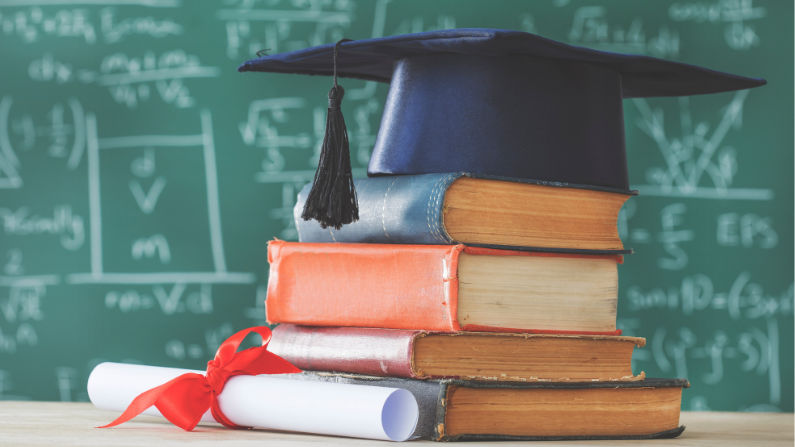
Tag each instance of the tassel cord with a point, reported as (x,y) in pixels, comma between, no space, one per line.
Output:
(332,199)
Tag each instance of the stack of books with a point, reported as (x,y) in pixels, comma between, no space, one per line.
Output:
(492,300)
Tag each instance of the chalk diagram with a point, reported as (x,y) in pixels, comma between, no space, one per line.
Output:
(203,142)
(27,290)
(697,156)
(21,308)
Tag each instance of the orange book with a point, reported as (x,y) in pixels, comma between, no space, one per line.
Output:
(441,288)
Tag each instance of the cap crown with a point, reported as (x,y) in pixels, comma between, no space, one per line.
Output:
(522,117)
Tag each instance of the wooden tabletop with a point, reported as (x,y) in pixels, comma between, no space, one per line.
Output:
(71,424)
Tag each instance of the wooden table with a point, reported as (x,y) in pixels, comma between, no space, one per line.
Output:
(56,423)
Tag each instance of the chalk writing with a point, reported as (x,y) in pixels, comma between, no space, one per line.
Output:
(64,223)
(14,266)
(743,300)
(590,28)
(417,24)
(25,335)
(735,13)
(108,26)
(115,29)
(175,301)
(130,79)
(671,237)
(148,247)
(213,337)
(752,351)
(48,68)
(23,303)
(33,23)
(257,313)
(696,156)
(20,309)
(262,129)
(63,137)
(251,29)
(748,230)
(178,351)
(147,200)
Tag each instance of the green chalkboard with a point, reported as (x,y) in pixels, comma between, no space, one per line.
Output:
(141,177)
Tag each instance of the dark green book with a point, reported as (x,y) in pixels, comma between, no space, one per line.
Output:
(458,410)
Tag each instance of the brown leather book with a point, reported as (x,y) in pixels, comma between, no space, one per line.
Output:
(469,410)
(465,355)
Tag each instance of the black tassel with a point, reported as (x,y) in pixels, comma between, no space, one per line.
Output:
(332,199)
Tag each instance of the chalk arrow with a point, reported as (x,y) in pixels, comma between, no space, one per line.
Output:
(147,201)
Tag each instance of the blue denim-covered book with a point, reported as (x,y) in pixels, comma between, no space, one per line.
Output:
(477,210)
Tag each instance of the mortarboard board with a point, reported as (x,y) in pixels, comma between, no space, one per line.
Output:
(501,103)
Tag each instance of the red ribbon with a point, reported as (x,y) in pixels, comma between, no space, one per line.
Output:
(184,399)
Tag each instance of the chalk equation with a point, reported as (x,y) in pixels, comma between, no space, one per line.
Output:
(738,15)
(106,26)
(281,26)
(213,337)
(22,307)
(132,79)
(592,28)
(179,299)
(752,352)
(741,230)
(60,132)
(745,299)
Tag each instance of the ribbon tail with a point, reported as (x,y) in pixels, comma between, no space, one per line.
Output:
(141,403)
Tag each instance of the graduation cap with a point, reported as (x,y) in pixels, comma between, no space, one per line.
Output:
(490,102)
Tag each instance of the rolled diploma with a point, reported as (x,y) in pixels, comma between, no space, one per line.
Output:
(268,402)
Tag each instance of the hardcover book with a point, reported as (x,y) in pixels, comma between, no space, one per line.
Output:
(479,211)
(467,355)
(465,410)
(441,288)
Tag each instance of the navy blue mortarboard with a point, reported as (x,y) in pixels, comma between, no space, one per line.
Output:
(502,103)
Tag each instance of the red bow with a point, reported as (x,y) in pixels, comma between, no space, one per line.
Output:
(184,399)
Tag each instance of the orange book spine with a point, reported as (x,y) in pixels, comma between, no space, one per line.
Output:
(364,285)
(371,285)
